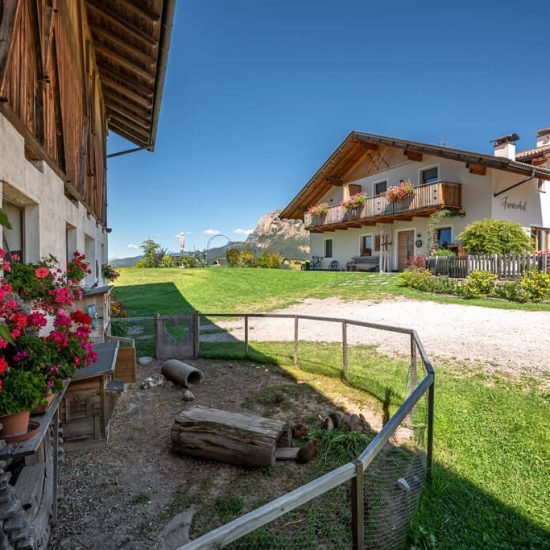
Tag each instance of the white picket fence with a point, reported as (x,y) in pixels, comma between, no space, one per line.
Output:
(508,265)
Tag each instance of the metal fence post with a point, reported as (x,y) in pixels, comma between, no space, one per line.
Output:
(246,335)
(196,334)
(345,350)
(296,341)
(413,363)
(429,453)
(157,336)
(358,507)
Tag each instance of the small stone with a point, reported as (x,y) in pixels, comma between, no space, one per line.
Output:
(176,531)
(188,395)
(144,361)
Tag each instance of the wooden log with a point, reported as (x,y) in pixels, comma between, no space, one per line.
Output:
(182,373)
(237,438)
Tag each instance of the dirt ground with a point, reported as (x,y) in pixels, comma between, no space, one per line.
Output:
(123,494)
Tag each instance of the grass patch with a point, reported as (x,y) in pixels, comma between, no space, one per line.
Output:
(141,498)
(229,507)
(492,449)
(232,290)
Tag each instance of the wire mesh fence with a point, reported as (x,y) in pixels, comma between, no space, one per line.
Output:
(383,485)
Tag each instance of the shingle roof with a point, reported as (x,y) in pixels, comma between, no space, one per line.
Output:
(531,153)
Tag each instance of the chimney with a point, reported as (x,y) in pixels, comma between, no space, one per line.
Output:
(543,137)
(505,146)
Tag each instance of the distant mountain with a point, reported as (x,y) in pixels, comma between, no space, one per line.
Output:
(125,262)
(220,251)
(287,237)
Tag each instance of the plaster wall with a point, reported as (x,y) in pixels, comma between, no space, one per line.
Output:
(47,210)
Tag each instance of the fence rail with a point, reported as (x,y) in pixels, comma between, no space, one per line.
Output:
(509,265)
(354,472)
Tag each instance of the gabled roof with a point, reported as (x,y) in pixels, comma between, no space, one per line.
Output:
(131,39)
(357,143)
(533,153)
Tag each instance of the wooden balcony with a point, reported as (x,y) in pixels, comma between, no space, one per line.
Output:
(428,199)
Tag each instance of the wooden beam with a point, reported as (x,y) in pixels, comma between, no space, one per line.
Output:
(476,169)
(144,102)
(128,119)
(140,11)
(128,133)
(413,155)
(100,10)
(126,107)
(7,20)
(138,53)
(366,144)
(334,180)
(139,88)
(125,62)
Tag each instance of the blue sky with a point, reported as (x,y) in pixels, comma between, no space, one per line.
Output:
(260,92)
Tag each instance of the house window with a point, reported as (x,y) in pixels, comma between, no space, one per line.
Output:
(444,237)
(366,245)
(430,175)
(328,248)
(14,237)
(541,238)
(380,187)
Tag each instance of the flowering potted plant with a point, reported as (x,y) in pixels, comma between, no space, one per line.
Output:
(353,201)
(109,272)
(318,210)
(77,268)
(32,367)
(400,192)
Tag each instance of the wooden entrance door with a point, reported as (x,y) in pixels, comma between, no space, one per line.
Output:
(405,248)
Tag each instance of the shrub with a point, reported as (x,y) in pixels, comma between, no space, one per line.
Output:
(140,264)
(189,261)
(441,285)
(508,291)
(534,286)
(248,259)
(415,277)
(491,236)
(442,252)
(233,257)
(479,283)
(167,261)
(270,260)
(417,261)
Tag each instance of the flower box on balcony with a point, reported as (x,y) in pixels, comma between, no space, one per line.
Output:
(405,190)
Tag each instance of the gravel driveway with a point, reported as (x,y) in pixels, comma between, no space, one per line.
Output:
(509,340)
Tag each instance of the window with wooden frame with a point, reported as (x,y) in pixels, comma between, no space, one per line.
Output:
(354,189)
(366,245)
(380,187)
(541,238)
(429,175)
(444,237)
(328,248)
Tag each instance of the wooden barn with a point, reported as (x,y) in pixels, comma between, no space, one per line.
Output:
(71,71)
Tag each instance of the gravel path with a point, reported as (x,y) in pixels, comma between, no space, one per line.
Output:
(508,340)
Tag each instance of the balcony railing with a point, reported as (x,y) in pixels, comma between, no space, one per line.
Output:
(428,198)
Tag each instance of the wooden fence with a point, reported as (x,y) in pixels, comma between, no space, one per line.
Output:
(356,472)
(509,265)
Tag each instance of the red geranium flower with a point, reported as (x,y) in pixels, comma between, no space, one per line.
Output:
(42,272)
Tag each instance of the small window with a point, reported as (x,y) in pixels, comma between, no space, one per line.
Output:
(430,175)
(14,237)
(444,237)
(366,245)
(377,243)
(541,238)
(328,248)
(380,187)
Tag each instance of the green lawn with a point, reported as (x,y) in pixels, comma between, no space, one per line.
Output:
(231,290)
(492,442)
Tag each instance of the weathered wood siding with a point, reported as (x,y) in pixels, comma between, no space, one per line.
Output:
(49,82)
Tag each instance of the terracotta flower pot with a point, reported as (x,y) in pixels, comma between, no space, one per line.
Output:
(41,409)
(14,424)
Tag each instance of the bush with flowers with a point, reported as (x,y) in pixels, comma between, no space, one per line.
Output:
(318,209)
(109,272)
(353,201)
(33,365)
(400,192)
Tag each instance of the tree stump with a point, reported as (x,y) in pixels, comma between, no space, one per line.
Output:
(237,438)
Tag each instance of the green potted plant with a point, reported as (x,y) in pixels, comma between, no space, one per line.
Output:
(400,192)
(353,201)
(318,210)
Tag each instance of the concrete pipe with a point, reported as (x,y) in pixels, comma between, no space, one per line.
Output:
(182,373)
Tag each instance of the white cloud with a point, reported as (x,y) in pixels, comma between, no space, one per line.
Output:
(243,231)
(132,245)
(212,232)
(182,233)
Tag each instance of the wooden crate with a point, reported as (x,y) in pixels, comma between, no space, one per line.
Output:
(125,368)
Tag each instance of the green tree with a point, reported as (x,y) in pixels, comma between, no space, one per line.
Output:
(490,236)
(150,253)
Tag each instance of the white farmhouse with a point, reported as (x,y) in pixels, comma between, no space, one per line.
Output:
(386,234)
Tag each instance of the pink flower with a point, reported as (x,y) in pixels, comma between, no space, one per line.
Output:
(36,319)
(42,272)
(21,355)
